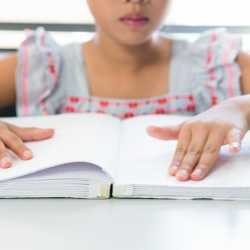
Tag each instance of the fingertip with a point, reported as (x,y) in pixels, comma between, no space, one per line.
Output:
(152,129)
(40,134)
(182,175)
(48,132)
(172,170)
(235,147)
(153,132)
(51,131)
(182,179)
(48,129)
(174,167)
(197,176)
(234,139)
(27,155)
(234,150)
(5,163)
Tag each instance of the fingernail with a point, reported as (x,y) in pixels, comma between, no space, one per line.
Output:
(176,163)
(198,173)
(151,129)
(27,155)
(183,173)
(234,147)
(5,163)
(49,129)
(172,170)
(174,167)
(43,129)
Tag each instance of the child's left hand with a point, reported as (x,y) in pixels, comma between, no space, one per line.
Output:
(201,137)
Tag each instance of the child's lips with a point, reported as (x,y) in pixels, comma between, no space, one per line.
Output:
(135,21)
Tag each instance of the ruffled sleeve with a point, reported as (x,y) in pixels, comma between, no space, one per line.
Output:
(215,73)
(37,75)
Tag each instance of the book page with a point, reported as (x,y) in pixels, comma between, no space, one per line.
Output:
(145,160)
(91,138)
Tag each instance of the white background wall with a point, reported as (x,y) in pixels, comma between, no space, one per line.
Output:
(182,12)
(195,12)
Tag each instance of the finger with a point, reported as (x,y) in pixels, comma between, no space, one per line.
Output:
(5,162)
(15,144)
(234,138)
(32,134)
(164,133)
(209,155)
(181,149)
(198,141)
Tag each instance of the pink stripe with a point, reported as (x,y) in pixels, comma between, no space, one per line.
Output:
(43,94)
(190,107)
(209,56)
(52,70)
(114,102)
(212,72)
(25,80)
(46,91)
(214,37)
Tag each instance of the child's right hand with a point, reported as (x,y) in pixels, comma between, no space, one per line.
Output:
(13,138)
(201,137)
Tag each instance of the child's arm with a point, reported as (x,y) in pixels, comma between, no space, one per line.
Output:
(201,137)
(11,136)
(7,80)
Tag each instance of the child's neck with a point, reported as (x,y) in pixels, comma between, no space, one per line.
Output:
(132,58)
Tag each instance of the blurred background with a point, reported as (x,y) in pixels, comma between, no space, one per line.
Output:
(71,20)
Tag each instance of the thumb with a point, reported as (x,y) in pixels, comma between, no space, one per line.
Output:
(164,133)
(234,138)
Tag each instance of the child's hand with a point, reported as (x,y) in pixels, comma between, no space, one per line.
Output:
(201,137)
(13,138)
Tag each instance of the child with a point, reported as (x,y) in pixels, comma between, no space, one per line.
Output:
(130,69)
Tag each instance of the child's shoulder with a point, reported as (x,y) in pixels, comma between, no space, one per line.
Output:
(217,41)
(46,71)
(206,67)
(42,41)
(210,49)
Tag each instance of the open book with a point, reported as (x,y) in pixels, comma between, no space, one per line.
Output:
(99,156)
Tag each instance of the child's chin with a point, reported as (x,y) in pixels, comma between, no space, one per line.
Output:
(134,40)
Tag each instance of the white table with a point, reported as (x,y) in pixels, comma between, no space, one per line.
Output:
(42,224)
